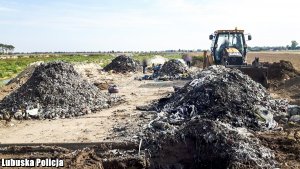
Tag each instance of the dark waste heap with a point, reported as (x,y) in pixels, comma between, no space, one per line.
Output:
(173,68)
(55,90)
(213,118)
(123,64)
(219,93)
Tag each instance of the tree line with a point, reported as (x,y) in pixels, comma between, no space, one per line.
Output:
(293,46)
(5,49)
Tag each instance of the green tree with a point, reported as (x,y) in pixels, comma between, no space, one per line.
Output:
(10,48)
(294,44)
(1,48)
(4,49)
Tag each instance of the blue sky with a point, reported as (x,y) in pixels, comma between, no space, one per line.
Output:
(142,25)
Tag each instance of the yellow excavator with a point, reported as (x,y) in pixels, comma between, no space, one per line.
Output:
(229,48)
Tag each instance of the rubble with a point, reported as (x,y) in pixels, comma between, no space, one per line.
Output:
(123,64)
(173,68)
(55,90)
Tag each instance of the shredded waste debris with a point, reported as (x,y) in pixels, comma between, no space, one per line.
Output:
(173,68)
(216,113)
(202,142)
(123,64)
(227,95)
(55,90)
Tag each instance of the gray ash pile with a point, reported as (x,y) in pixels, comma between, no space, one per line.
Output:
(173,68)
(123,64)
(227,95)
(55,90)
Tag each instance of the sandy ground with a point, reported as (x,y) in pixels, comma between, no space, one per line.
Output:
(99,126)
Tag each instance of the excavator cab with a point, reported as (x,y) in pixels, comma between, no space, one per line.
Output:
(229,48)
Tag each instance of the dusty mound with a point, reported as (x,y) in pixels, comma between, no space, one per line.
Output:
(224,94)
(54,90)
(281,70)
(173,67)
(88,71)
(284,80)
(122,64)
(157,59)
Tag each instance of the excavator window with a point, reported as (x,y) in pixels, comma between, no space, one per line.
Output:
(226,40)
(237,42)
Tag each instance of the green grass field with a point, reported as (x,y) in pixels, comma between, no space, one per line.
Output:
(12,66)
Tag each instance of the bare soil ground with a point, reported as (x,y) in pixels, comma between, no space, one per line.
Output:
(290,88)
(93,156)
(286,147)
(294,58)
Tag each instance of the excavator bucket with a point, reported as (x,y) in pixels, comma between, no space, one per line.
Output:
(255,70)
(258,74)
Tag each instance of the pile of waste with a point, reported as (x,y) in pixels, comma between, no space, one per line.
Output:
(173,67)
(281,70)
(219,93)
(123,64)
(213,117)
(55,90)
(202,142)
